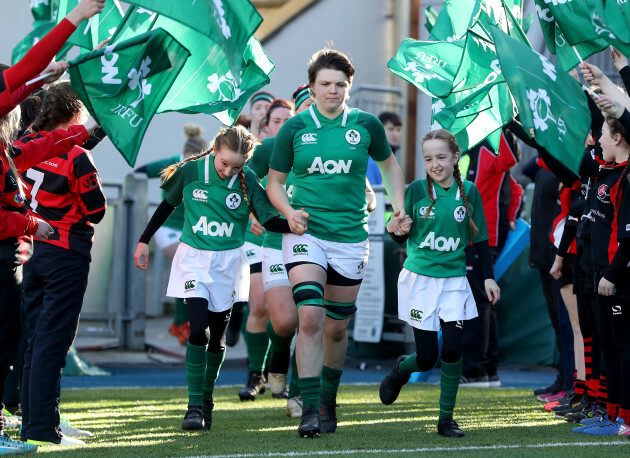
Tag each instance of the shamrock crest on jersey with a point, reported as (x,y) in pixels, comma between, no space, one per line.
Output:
(233,201)
(459,213)
(353,137)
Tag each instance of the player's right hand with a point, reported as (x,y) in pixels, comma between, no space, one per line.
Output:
(141,256)
(44,230)
(85,10)
(298,221)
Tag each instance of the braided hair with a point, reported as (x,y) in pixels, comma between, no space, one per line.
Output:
(59,105)
(449,139)
(236,139)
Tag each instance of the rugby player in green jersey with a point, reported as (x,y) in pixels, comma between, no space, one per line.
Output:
(209,269)
(433,291)
(327,148)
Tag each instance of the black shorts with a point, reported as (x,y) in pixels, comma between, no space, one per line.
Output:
(568,270)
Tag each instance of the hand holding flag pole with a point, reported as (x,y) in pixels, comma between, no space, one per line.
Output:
(53,72)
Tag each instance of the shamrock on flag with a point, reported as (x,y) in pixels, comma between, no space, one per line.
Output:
(206,84)
(228,23)
(611,21)
(549,101)
(123,85)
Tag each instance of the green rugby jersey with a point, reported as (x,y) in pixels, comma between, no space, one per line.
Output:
(154,169)
(274,239)
(259,163)
(329,158)
(215,212)
(435,247)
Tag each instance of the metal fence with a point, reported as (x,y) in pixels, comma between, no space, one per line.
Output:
(115,302)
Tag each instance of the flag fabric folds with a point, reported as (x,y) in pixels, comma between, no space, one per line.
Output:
(123,85)
(549,101)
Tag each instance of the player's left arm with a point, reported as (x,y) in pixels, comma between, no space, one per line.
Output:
(88,187)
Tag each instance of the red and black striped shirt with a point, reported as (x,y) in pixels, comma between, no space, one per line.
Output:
(66,192)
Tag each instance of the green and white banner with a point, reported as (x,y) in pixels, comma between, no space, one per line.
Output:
(549,101)
(123,85)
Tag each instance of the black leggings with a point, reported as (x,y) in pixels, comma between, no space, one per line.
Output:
(427,350)
(206,327)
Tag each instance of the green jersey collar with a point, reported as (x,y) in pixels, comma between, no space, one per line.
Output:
(318,122)
(212,174)
(435,185)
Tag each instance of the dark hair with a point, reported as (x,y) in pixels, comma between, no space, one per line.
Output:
(243,120)
(59,105)
(449,139)
(301,94)
(30,107)
(237,139)
(616,127)
(278,103)
(329,59)
(391,117)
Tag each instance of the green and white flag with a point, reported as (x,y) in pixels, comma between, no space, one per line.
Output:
(29,41)
(430,15)
(44,11)
(558,44)
(430,66)
(611,21)
(229,24)
(471,116)
(573,17)
(92,31)
(123,85)
(206,84)
(457,16)
(549,101)
(479,65)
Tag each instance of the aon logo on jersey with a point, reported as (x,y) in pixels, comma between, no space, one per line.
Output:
(213,228)
(329,166)
(440,243)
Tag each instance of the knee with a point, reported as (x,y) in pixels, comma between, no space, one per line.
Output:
(312,324)
(216,345)
(338,332)
(199,336)
(451,356)
(258,311)
(285,326)
(426,360)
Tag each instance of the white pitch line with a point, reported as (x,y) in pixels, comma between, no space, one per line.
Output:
(413,450)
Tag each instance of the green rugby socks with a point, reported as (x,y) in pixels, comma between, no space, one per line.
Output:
(213,366)
(330,383)
(449,383)
(195,372)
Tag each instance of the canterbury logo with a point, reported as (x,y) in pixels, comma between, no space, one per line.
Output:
(309,138)
(276,269)
(360,267)
(300,249)
(415,314)
(189,285)
(250,253)
(200,194)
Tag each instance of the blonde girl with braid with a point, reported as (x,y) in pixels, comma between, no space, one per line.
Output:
(446,215)
(218,193)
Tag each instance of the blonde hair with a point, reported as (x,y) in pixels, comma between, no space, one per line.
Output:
(9,125)
(237,139)
(449,139)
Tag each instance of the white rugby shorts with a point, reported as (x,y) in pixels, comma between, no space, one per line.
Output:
(273,271)
(348,259)
(221,277)
(165,236)
(252,252)
(423,301)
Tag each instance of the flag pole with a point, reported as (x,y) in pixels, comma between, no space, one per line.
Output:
(578,54)
(41,77)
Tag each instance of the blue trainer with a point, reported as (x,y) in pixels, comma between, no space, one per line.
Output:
(607,428)
(6,443)
(591,422)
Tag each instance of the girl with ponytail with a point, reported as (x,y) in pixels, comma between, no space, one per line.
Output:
(445,216)
(218,192)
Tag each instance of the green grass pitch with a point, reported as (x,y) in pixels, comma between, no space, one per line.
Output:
(497,422)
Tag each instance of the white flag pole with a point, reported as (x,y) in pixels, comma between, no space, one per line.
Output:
(39,78)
